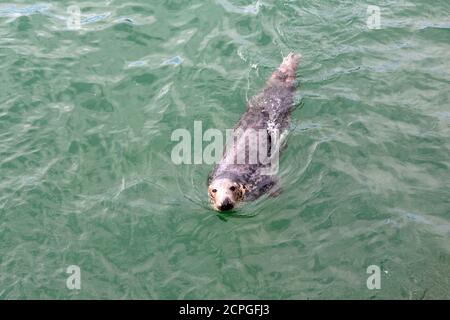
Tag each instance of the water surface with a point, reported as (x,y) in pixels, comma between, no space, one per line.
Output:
(86,176)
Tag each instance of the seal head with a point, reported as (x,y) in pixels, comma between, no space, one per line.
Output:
(225,193)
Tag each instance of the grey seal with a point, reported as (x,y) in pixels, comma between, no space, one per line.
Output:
(233,181)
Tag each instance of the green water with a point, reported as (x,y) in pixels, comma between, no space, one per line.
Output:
(86,176)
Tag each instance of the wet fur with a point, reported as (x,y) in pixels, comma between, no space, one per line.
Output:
(271,107)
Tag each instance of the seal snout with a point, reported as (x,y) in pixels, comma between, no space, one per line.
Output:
(226,205)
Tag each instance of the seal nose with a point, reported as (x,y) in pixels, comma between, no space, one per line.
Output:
(226,205)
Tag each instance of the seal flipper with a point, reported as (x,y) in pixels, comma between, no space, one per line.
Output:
(286,70)
(276,190)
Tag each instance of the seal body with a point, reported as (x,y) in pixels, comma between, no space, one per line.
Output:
(243,172)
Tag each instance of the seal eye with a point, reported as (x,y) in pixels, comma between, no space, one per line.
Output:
(214,190)
(232,188)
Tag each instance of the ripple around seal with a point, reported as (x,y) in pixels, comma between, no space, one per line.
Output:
(86,175)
